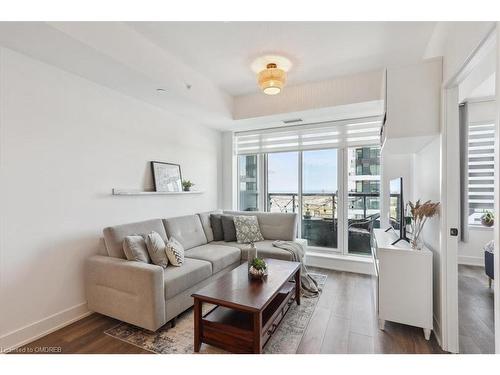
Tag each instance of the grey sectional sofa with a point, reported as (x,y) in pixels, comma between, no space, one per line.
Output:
(147,295)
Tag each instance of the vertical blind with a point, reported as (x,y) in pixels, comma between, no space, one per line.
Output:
(355,132)
(481,149)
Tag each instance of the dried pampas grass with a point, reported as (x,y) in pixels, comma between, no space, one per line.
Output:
(420,212)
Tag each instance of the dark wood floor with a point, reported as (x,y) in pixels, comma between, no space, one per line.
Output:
(475,311)
(344,322)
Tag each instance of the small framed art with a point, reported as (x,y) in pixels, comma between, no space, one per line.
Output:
(166,176)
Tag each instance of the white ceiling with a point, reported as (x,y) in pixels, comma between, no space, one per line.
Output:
(205,67)
(224,51)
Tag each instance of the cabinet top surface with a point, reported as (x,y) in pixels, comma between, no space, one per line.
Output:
(385,239)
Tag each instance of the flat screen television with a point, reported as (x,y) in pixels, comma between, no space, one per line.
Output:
(397,209)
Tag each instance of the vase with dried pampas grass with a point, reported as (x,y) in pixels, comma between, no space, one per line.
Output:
(420,212)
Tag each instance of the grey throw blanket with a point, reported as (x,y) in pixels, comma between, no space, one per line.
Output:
(309,286)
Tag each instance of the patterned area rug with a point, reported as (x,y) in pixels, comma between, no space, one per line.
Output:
(179,340)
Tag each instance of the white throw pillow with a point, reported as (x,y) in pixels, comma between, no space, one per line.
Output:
(157,249)
(247,229)
(175,252)
(135,249)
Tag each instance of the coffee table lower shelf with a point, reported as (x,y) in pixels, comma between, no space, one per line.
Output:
(233,330)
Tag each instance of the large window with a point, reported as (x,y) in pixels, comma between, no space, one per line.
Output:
(327,173)
(481,148)
(363,197)
(248,188)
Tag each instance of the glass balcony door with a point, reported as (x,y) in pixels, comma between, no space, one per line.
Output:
(282,182)
(306,182)
(336,193)
(319,224)
(363,197)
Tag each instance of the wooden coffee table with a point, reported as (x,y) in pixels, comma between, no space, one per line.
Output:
(248,311)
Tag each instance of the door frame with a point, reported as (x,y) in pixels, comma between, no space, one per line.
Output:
(450,213)
(496,236)
(450,199)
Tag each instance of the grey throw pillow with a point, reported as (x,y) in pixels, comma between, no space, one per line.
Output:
(135,249)
(216,223)
(247,229)
(175,252)
(157,249)
(228,228)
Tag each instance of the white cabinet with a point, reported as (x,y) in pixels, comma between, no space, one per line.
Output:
(404,282)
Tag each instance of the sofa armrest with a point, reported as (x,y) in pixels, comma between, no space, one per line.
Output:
(126,290)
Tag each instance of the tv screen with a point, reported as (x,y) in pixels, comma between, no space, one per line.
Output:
(396,204)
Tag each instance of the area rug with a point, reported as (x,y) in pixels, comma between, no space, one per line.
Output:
(179,340)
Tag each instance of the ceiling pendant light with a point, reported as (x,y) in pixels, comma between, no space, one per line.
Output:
(272,79)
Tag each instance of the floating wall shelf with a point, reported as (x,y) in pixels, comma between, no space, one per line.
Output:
(141,192)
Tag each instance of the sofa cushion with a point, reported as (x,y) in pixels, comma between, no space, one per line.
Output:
(228,228)
(274,225)
(247,229)
(135,249)
(114,236)
(217,230)
(220,256)
(178,279)
(207,225)
(187,230)
(265,249)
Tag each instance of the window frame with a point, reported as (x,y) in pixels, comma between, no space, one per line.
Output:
(467,207)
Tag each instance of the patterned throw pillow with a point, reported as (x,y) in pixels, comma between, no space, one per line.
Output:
(156,249)
(135,249)
(247,229)
(175,252)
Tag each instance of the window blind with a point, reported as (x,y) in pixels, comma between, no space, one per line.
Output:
(481,149)
(355,132)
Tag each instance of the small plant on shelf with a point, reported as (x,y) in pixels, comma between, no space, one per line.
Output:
(488,219)
(258,268)
(187,185)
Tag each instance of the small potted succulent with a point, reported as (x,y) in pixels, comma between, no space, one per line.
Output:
(186,185)
(258,268)
(488,219)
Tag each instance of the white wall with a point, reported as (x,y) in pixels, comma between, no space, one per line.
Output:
(356,88)
(65,142)
(229,199)
(471,252)
(427,187)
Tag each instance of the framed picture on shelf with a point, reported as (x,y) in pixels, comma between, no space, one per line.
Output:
(166,176)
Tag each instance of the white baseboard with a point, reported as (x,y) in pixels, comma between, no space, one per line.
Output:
(348,263)
(34,331)
(470,261)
